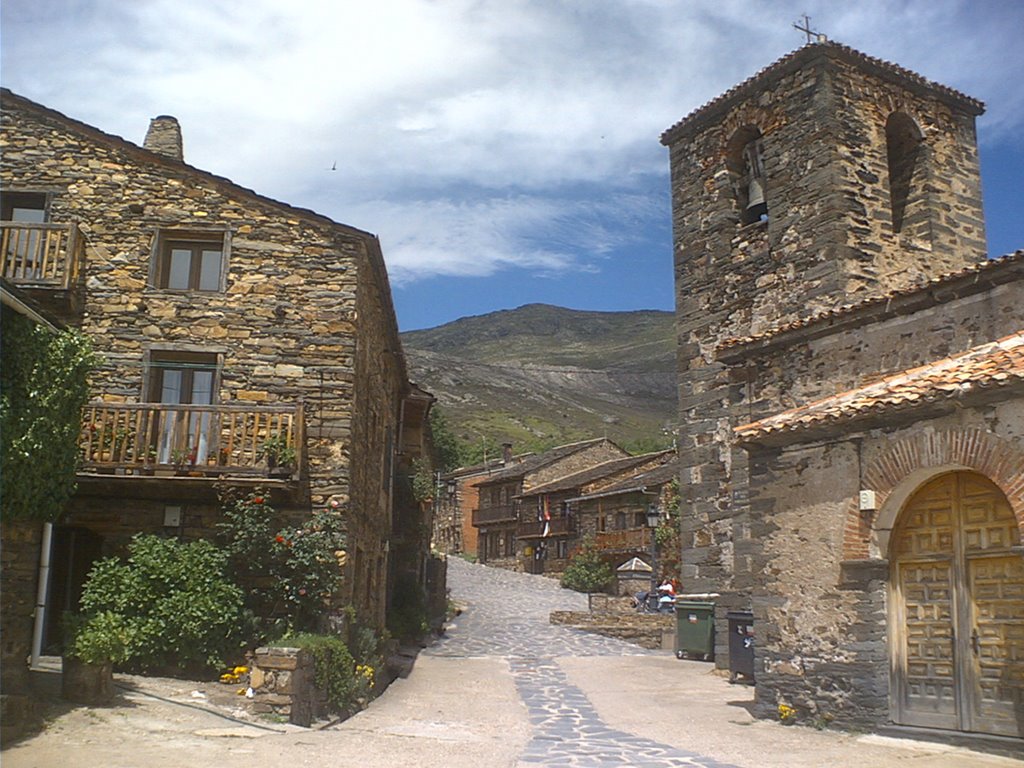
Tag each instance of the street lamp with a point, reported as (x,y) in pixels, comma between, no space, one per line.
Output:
(653,518)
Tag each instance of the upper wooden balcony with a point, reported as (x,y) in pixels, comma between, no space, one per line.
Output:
(45,260)
(630,540)
(539,529)
(42,255)
(506,513)
(202,441)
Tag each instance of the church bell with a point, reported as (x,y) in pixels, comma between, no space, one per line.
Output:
(755,193)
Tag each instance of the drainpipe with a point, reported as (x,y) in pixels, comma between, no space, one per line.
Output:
(44,586)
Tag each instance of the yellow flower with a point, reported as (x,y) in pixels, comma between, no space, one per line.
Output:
(786,713)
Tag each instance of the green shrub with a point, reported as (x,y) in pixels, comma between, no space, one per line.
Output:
(98,639)
(171,603)
(587,572)
(334,669)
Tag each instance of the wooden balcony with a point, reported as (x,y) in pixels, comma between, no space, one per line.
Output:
(42,255)
(488,515)
(203,441)
(558,526)
(46,262)
(633,540)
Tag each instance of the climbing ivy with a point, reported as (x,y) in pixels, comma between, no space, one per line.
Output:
(43,387)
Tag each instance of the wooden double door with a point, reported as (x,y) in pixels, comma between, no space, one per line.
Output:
(958,609)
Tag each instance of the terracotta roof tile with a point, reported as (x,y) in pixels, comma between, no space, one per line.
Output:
(844,309)
(996,364)
(794,58)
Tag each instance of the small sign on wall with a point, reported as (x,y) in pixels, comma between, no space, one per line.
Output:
(172,517)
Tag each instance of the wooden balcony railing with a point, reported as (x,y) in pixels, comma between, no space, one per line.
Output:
(557,526)
(42,255)
(503,514)
(637,539)
(201,440)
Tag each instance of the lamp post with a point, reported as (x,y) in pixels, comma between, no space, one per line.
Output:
(653,518)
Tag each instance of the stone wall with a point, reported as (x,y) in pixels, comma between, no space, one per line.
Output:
(19,574)
(646,630)
(813,362)
(820,603)
(283,681)
(582,459)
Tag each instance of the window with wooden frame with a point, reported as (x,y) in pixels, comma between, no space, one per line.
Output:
(190,261)
(183,378)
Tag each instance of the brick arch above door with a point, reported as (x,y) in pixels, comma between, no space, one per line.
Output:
(914,460)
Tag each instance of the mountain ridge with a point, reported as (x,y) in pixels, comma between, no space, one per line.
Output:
(543,375)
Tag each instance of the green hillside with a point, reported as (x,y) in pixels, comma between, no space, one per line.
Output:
(541,375)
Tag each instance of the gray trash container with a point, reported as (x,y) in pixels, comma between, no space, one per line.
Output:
(741,645)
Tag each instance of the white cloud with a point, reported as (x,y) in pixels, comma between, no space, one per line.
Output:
(480,238)
(463,131)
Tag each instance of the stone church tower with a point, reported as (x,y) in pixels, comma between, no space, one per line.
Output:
(827,178)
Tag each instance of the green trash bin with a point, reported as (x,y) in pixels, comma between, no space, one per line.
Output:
(695,630)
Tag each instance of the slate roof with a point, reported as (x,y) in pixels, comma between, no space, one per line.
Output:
(533,463)
(796,59)
(587,476)
(997,364)
(652,478)
(1012,264)
(492,465)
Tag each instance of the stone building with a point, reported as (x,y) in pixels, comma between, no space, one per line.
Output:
(246,343)
(613,516)
(850,394)
(500,512)
(550,531)
(458,495)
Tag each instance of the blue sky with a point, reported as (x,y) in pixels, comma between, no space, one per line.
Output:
(505,151)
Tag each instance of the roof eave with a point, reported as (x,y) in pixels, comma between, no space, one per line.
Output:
(807,55)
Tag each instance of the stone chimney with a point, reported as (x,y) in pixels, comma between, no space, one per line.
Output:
(506,453)
(164,136)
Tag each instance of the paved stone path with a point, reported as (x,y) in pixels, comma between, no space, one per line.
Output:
(507,616)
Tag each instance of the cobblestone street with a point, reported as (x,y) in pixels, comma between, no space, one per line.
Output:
(507,617)
(503,687)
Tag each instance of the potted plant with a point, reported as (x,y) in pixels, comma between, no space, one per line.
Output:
(279,454)
(95,643)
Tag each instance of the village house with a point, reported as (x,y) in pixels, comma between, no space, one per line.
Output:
(457,496)
(613,517)
(246,344)
(498,517)
(550,531)
(852,395)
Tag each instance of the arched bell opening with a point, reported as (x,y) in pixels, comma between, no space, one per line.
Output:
(745,162)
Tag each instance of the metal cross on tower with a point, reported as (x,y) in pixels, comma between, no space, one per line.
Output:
(812,36)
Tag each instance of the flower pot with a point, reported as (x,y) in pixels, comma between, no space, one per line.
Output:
(86,683)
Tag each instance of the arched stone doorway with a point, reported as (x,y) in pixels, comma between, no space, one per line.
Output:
(957,609)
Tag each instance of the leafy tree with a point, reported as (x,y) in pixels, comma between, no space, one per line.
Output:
(449,449)
(43,387)
(587,572)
